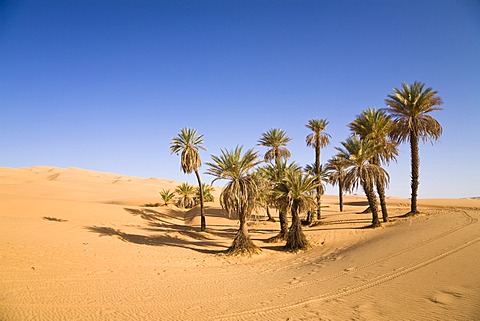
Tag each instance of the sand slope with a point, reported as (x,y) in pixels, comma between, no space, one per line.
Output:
(76,245)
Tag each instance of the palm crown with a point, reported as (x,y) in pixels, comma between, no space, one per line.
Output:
(409,108)
(276,139)
(188,143)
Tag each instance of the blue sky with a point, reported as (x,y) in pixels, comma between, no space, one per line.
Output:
(105,85)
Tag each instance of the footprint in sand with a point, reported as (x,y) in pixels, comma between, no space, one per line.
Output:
(445,297)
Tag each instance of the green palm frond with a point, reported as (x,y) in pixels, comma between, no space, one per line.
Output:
(357,154)
(296,189)
(186,193)
(409,108)
(239,195)
(188,143)
(166,195)
(207,192)
(276,139)
(318,137)
(377,126)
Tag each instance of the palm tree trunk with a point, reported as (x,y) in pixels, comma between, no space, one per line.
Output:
(282,235)
(383,203)
(242,244)
(340,194)
(203,223)
(270,218)
(372,201)
(415,171)
(317,169)
(381,193)
(283,224)
(296,240)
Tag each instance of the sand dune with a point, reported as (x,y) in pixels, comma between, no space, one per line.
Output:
(77,245)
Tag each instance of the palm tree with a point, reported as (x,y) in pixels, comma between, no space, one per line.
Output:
(275,172)
(358,153)
(377,126)
(166,196)
(318,139)
(310,169)
(264,187)
(186,193)
(188,143)
(276,139)
(295,194)
(207,191)
(335,170)
(410,108)
(240,194)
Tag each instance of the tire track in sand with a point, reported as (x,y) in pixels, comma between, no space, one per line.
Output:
(271,311)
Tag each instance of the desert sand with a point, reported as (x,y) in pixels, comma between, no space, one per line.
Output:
(77,245)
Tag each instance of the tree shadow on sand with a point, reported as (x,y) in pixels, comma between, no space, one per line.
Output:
(169,229)
(159,240)
(167,232)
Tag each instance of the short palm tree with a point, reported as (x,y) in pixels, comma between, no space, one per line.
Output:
(377,126)
(186,193)
(166,196)
(188,143)
(207,193)
(410,108)
(294,192)
(276,139)
(318,139)
(239,196)
(335,170)
(275,172)
(358,153)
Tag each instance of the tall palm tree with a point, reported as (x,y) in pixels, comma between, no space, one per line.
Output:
(358,153)
(318,139)
(335,169)
(276,139)
(410,108)
(240,194)
(295,193)
(376,125)
(275,172)
(186,193)
(188,143)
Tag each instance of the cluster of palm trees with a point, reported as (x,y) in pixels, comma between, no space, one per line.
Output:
(186,195)
(291,189)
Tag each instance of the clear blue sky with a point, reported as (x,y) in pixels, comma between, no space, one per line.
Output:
(105,85)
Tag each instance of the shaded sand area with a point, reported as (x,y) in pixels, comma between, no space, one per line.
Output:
(76,245)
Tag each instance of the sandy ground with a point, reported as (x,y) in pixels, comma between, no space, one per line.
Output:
(76,245)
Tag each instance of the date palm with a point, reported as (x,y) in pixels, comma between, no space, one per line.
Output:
(186,193)
(207,191)
(166,196)
(187,144)
(335,170)
(239,196)
(360,171)
(294,192)
(276,139)
(310,169)
(275,172)
(376,125)
(410,108)
(318,139)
